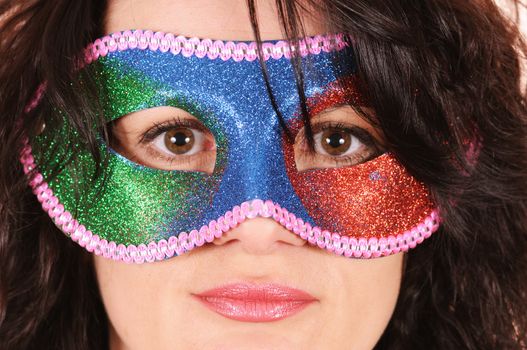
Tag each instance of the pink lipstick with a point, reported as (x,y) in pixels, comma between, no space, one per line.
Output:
(255,303)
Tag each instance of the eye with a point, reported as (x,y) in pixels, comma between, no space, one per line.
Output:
(180,144)
(336,145)
(165,138)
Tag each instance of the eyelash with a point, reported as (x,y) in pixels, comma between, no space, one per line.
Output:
(176,122)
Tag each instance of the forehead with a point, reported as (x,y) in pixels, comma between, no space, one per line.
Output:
(206,74)
(225,19)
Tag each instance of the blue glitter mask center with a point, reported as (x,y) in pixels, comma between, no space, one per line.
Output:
(230,98)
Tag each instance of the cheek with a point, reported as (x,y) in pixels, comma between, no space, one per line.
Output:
(363,298)
(138,301)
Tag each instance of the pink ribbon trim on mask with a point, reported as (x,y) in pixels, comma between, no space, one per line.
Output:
(212,49)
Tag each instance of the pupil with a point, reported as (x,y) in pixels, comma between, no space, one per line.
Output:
(335,140)
(180,139)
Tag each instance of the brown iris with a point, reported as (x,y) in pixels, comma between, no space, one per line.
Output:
(335,142)
(179,140)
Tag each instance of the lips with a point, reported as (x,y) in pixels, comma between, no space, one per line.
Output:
(255,303)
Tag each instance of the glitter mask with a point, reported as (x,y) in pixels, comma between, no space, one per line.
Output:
(142,214)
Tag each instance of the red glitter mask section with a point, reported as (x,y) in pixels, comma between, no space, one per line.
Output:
(344,91)
(374,199)
(377,198)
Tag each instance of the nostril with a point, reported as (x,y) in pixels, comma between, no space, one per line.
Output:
(226,239)
(231,241)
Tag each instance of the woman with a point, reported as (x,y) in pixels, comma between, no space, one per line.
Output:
(430,95)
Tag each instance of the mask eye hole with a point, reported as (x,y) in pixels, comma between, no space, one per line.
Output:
(165,138)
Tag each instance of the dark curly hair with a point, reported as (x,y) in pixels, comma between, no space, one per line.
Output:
(441,75)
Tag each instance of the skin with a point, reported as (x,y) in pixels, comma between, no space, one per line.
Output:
(151,306)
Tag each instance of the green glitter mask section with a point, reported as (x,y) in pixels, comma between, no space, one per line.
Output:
(123,90)
(128,203)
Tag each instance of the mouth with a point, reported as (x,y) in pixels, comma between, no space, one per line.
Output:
(255,302)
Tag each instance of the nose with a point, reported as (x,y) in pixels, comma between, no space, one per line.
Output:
(260,236)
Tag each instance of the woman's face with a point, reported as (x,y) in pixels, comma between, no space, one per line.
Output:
(346,303)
